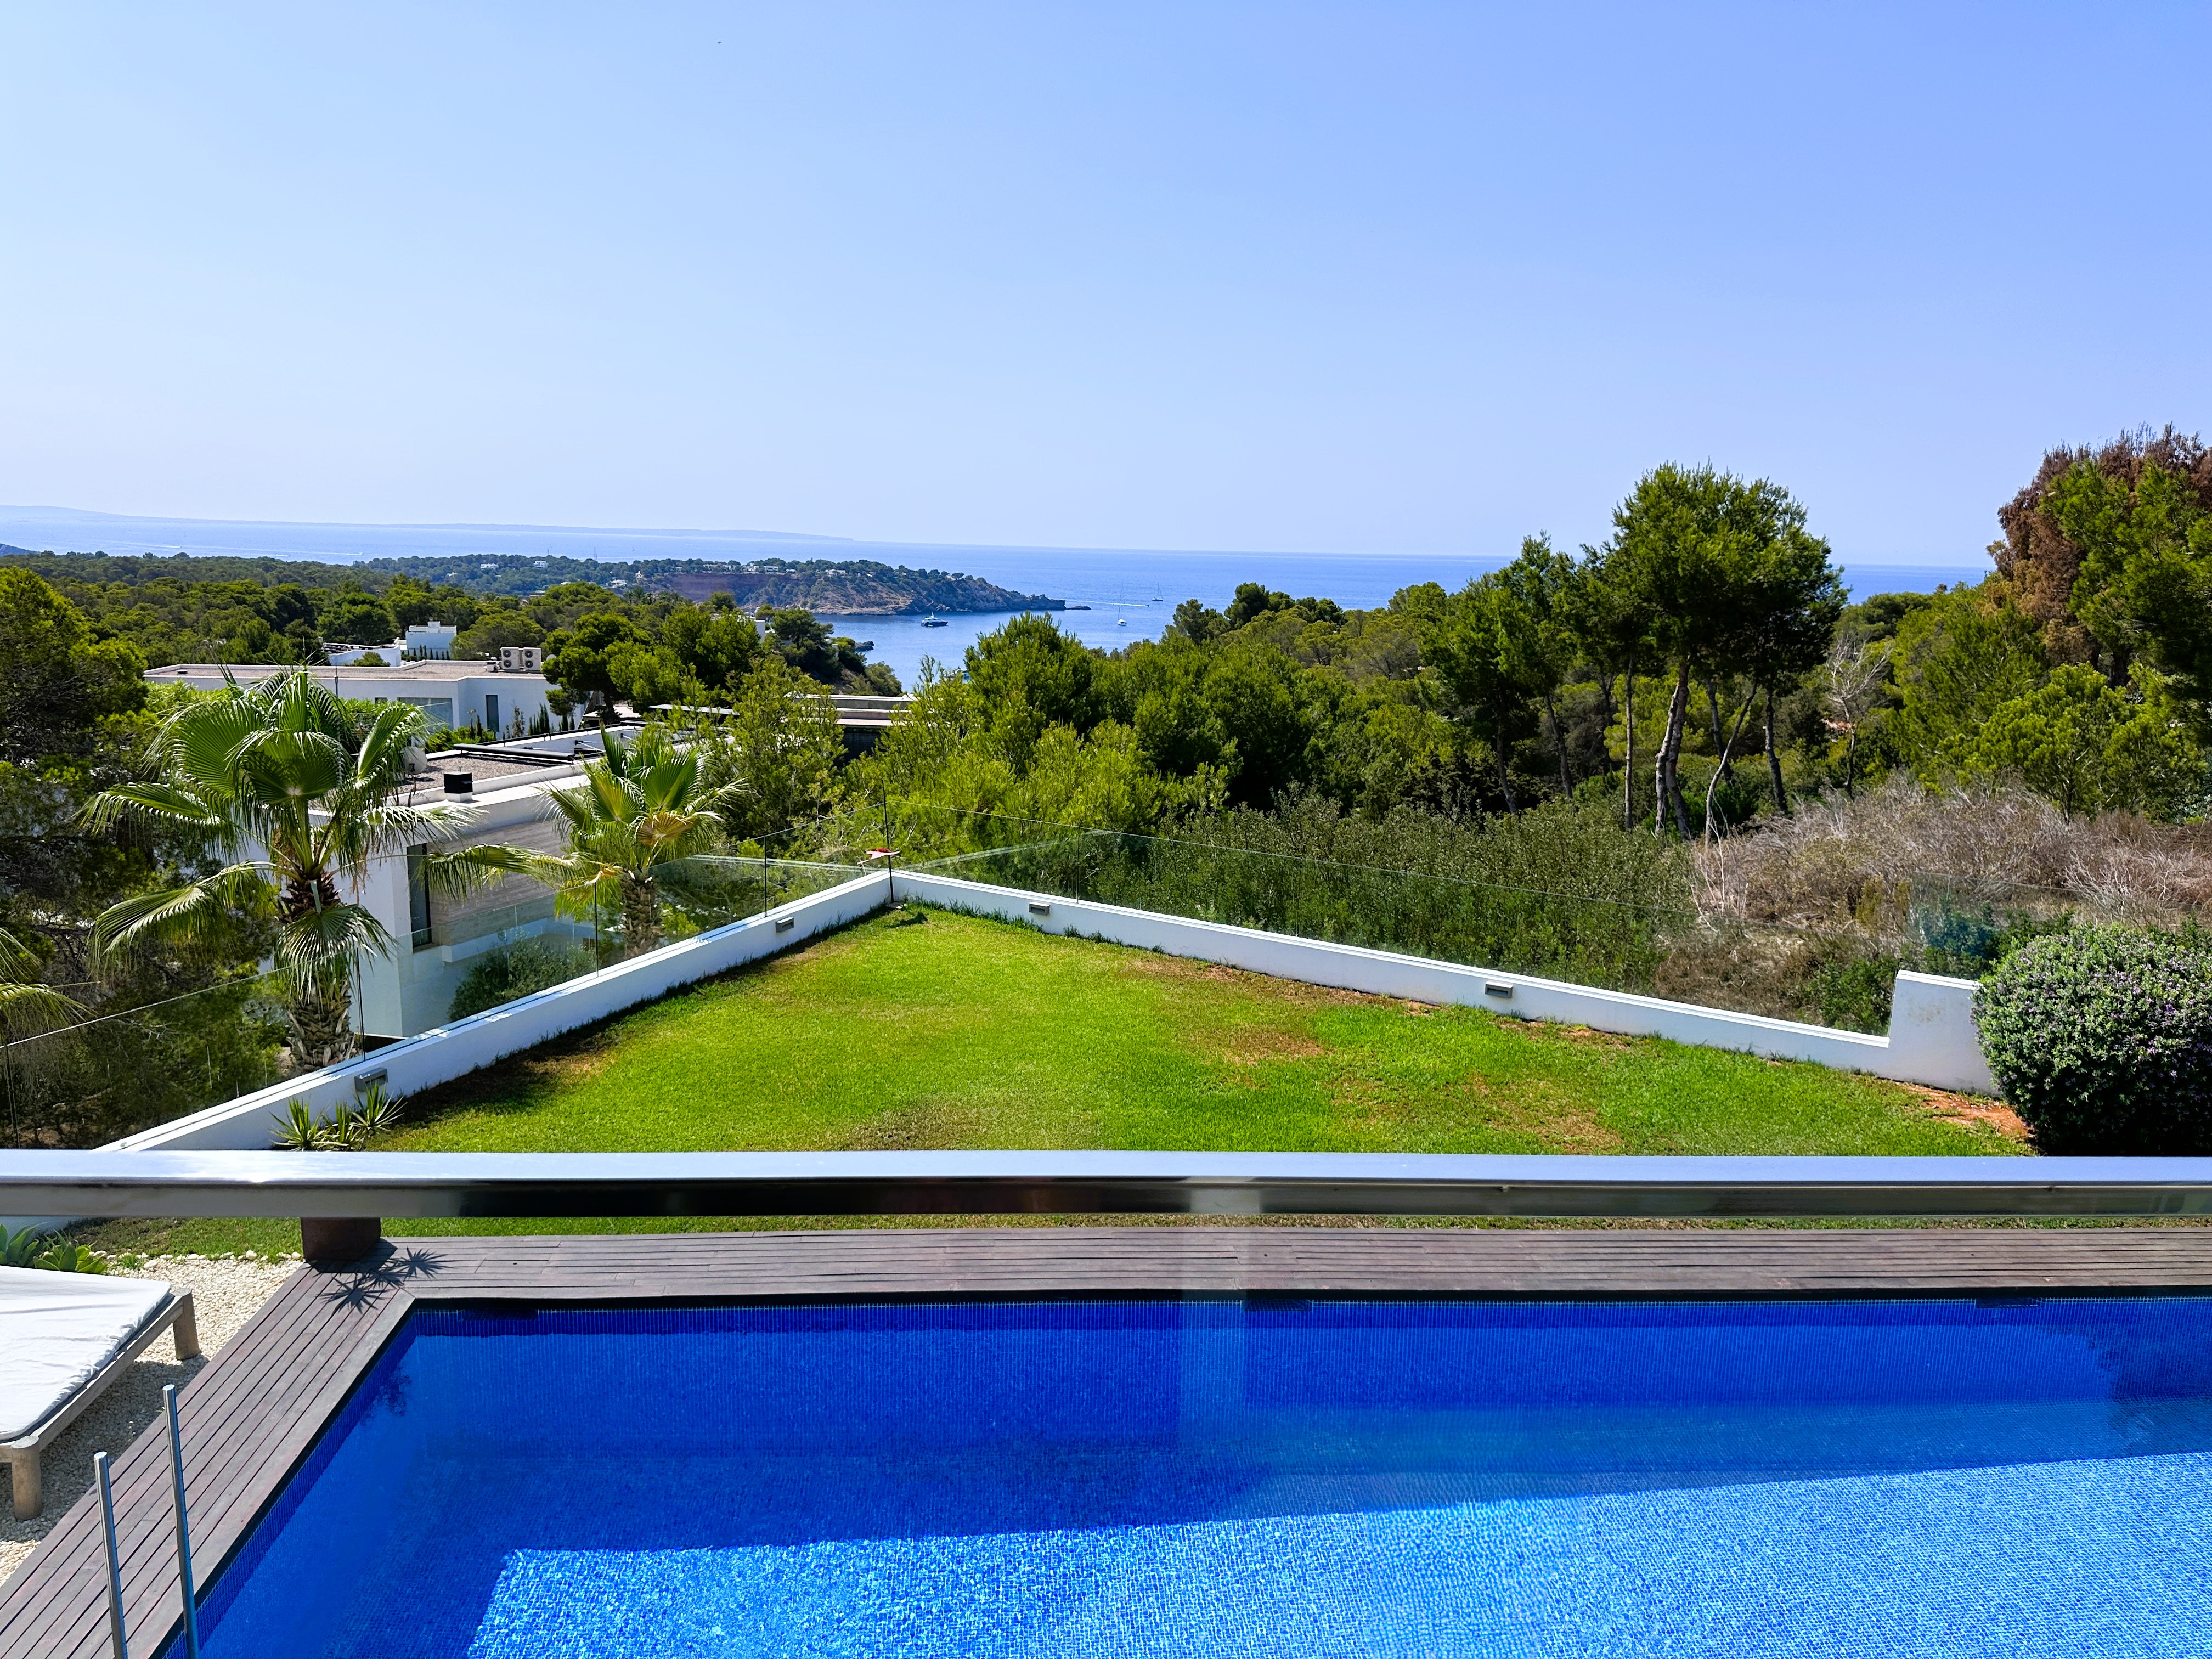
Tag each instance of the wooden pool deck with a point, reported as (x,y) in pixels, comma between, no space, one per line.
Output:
(251,1416)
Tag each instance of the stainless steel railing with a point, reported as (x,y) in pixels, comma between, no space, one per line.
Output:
(376,1184)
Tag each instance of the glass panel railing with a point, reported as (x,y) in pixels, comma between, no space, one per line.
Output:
(519,950)
(1687,946)
(1587,941)
(712,890)
(468,925)
(116,1073)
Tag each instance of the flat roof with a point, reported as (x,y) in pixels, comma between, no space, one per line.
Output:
(436,668)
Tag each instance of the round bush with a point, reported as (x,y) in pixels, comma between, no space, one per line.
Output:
(2101,1039)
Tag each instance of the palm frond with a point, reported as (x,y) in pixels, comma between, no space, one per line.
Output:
(451,872)
(300,701)
(281,766)
(185,915)
(163,803)
(317,947)
(382,757)
(27,1008)
(668,784)
(400,824)
(25,1005)
(610,789)
(197,742)
(18,961)
(576,805)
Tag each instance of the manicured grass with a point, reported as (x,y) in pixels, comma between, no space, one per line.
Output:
(926,1029)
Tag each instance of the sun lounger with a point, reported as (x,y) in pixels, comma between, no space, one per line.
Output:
(63,1338)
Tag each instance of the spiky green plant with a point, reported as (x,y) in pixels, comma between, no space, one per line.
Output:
(640,809)
(378,1113)
(300,1131)
(349,1127)
(299,803)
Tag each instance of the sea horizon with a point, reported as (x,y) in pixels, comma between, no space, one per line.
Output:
(1120,594)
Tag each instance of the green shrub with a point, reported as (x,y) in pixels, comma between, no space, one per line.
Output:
(2101,1039)
(516,970)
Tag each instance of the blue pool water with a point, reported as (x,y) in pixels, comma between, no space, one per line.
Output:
(1106,1478)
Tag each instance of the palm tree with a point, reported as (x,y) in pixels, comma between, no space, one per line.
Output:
(25,1005)
(640,809)
(299,803)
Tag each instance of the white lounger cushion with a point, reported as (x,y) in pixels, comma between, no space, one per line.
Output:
(56,1330)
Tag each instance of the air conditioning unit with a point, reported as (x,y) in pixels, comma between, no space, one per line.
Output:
(521,659)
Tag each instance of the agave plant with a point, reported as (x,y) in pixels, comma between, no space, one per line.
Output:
(378,1113)
(64,1257)
(640,809)
(349,1128)
(297,804)
(36,1247)
(300,1132)
(17,1248)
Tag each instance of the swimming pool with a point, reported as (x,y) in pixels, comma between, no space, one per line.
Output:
(1263,1476)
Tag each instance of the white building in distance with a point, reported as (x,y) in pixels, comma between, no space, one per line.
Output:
(450,693)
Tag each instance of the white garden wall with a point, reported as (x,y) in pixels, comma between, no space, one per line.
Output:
(467,1045)
(1932,1038)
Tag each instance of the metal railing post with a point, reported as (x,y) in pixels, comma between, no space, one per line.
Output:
(114,1561)
(184,1526)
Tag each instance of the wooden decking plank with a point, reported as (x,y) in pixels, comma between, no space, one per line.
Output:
(227,1410)
(298,1345)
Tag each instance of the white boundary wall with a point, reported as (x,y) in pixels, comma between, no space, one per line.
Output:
(1932,1038)
(250,1121)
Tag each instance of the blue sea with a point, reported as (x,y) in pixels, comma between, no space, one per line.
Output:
(1275,1477)
(1130,592)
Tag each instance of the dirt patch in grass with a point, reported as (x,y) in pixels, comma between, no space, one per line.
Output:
(1585,1036)
(1256,1047)
(1941,1103)
(1562,1123)
(1541,1111)
(931,1125)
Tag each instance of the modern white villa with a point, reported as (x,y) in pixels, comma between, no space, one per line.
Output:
(450,692)
(436,938)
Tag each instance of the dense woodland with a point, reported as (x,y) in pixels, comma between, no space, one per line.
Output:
(1704,772)
(1696,674)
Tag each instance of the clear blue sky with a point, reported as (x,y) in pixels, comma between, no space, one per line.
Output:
(1359,278)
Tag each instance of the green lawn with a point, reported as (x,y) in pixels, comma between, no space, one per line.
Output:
(924,1029)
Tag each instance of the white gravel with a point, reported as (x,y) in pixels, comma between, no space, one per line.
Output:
(226,1292)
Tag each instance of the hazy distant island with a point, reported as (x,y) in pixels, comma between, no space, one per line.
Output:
(840,588)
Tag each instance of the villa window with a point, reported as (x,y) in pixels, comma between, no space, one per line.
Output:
(418,894)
